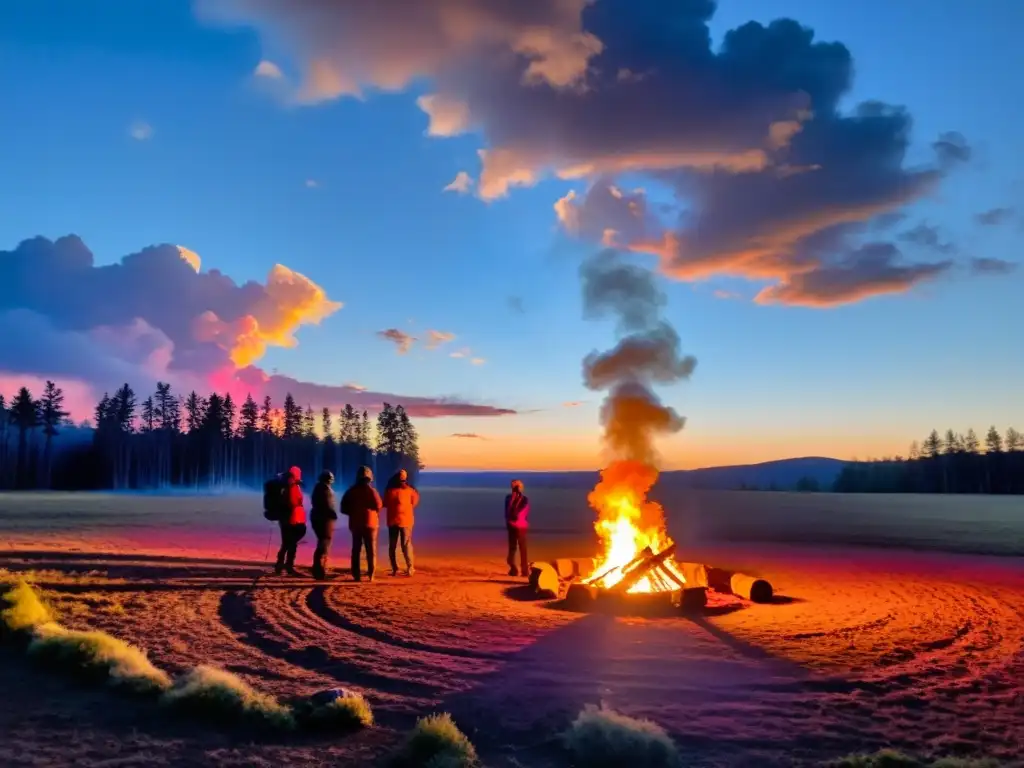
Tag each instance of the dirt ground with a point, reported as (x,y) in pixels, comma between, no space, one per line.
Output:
(863,649)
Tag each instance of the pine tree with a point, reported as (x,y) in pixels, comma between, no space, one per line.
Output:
(309,423)
(970,443)
(932,445)
(1014,442)
(228,417)
(326,425)
(52,416)
(24,414)
(993,442)
(195,412)
(148,415)
(267,416)
(248,424)
(292,418)
(950,443)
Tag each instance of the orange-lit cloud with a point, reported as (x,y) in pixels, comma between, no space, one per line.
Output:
(572,404)
(436,338)
(468,436)
(289,301)
(403,341)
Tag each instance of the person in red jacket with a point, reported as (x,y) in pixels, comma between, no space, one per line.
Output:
(517,514)
(361,504)
(401,499)
(293,524)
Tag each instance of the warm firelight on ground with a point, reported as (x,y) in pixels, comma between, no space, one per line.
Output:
(627,522)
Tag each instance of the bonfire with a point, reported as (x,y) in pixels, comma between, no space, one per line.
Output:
(637,553)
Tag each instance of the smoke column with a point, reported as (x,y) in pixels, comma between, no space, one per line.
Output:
(647,353)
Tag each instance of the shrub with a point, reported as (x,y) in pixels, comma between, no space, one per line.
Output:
(436,742)
(219,695)
(965,762)
(346,713)
(601,738)
(24,610)
(97,655)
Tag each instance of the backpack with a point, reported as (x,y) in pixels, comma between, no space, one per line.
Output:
(274,500)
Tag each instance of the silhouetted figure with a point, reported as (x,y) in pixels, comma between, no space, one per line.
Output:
(293,525)
(401,499)
(324,519)
(362,504)
(517,513)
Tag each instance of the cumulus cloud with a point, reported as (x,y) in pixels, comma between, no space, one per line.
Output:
(989,266)
(436,338)
(403,341)
(269,70)
(462,183)
(157,315)
(994,216)
(749,135)
(140,130)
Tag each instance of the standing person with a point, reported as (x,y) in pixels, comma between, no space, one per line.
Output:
(361,504)
(517,513)
(292,523)
(401,499)
(324,518)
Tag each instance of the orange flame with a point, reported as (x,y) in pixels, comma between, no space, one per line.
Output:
(627,523)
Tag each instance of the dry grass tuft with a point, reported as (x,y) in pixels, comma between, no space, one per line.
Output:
(97,655)
(219,695)
(347,713)
(436,742)
(601,738)
(24,610)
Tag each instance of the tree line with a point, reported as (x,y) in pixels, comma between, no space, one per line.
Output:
(951,463)
(192,441)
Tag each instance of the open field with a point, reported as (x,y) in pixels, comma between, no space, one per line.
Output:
(868,648)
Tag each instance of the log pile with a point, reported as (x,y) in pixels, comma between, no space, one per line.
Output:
(575,580)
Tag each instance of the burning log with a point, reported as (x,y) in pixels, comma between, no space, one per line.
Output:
(641,566)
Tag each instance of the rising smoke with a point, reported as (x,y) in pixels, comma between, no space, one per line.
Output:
(647,353)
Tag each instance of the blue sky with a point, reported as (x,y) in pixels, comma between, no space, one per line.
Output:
(225,173)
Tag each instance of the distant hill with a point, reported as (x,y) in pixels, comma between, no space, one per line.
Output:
(783,474)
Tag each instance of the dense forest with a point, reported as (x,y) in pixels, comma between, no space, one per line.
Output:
(953,463)
(191,442)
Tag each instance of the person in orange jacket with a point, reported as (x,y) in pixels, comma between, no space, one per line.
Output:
(292,524)
(401,499)
(362,504)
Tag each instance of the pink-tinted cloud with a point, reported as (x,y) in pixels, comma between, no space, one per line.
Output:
(403,341)
(157,316)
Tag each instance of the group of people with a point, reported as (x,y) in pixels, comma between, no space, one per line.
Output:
(362,505)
